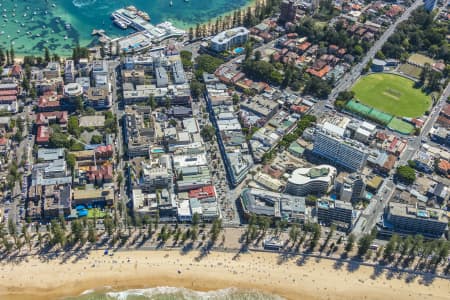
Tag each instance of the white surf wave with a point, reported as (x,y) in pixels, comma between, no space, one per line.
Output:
(164,290)
(82,3)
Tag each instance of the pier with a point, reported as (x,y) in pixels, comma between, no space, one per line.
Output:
(146,34)
(103,38)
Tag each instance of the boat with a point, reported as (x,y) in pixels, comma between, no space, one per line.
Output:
(143,15)
(66,37)
(53,5)
(171,3)
(120,24)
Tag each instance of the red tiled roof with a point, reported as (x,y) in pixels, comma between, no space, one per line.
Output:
(8,99)
(444,165)
(100,173)
(304,46)
(443,121)
(322,72)
(8,92)
(3,141)
(43,134)
(204,192)
(446,110)
(381,135)
(60,116)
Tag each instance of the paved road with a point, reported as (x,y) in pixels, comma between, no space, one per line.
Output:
(415,143)
(118,112)
(350,78)
(374,212)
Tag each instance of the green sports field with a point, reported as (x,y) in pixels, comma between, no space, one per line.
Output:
(392,94)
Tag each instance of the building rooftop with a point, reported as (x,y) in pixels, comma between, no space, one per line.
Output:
(418,212)
(227,35)
(50,154)
(320,173)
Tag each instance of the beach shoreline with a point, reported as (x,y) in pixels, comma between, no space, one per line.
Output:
(38,279)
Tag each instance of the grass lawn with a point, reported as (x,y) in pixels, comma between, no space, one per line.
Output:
(99,214)
(420,59)
(410,70)
(392,94)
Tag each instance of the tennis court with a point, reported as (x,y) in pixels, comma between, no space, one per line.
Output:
(358,108)
(380,116)
(400,126)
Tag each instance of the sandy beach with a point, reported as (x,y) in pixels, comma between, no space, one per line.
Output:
(312,279)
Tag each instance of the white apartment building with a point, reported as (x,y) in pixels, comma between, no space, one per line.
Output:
(307,181)
(229,38)
(330,143)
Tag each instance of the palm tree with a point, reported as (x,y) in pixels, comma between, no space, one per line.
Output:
(91,233)
(12,229)
(26,236)
(294,233)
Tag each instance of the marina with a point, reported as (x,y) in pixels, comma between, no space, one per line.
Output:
(145,34)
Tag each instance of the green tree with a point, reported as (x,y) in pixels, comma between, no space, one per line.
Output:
(73,126)
(195,219)
(152,102)
(12,54)
(364,244)
(91,233)
(350,243)
(46,55)
(96,139)
(207,63)
(186,59)
(71,160)
(236,99)
(406,174)
(207,132)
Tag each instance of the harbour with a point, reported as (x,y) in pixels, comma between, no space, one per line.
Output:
(43,23)
(145,34)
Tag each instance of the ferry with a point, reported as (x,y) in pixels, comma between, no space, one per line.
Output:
(120,24)
(143,15)
(131,8)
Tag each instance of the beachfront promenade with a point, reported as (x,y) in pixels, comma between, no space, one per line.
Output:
(232,242)
(292,277)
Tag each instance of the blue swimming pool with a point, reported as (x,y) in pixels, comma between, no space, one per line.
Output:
(238,50)
(157,150)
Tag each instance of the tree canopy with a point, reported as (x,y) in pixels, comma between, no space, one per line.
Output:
(406,174)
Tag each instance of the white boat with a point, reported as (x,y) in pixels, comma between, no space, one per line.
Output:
(171,3)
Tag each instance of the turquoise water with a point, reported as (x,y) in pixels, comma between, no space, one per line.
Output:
(239,50)
(31,25)
(172,293)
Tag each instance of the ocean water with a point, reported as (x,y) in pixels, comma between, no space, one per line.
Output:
(31,25)
(173,293)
